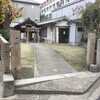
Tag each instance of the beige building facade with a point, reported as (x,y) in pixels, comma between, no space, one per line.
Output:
(30,9)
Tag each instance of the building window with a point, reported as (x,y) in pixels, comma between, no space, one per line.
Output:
(47,8)
(44,10)
(50,7)
(67,0)
(58,4)
(50,16)
(62,2)
(80,29)
(54,6)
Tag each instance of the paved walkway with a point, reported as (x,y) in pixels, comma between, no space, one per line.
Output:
(50,62)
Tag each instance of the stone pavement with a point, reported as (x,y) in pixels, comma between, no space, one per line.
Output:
(82,86)
(49,62)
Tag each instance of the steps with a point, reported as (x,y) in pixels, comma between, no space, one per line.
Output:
(73,83)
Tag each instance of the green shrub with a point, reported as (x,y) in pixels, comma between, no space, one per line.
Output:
(5,33)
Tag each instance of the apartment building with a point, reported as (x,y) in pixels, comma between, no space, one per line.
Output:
(48,6)
(61,20)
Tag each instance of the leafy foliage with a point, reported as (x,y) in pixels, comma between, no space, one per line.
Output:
(91,17)
(7,12)
(5,33)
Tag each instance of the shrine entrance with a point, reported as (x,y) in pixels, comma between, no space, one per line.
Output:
(64,35)
(29,31)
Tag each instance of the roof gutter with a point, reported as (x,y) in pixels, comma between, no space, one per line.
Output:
(30,3)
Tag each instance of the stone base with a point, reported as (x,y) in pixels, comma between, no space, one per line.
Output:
(72,83)
(8,85)
(94,68)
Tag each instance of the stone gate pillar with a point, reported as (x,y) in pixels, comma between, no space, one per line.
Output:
(5,55)
(91,49)
(98,55)
(15,51)
(6,79)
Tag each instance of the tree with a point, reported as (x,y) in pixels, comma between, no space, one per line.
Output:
(91,23)
(7,13)
(91,17)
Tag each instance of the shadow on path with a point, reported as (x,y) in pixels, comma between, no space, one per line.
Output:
(45,92)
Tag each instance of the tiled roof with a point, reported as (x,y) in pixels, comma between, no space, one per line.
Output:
(27,21)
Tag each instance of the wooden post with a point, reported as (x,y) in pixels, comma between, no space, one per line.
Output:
(91,49)
(28,30)
(27,36)
(38,36)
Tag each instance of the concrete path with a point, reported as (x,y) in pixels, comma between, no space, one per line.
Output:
(49,62)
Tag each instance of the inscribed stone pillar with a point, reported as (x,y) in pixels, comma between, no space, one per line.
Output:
(91,48)
(5,62)
(5,56)
(98,55)
(15,50)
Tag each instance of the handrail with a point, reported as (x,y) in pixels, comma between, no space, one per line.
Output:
(3,39)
